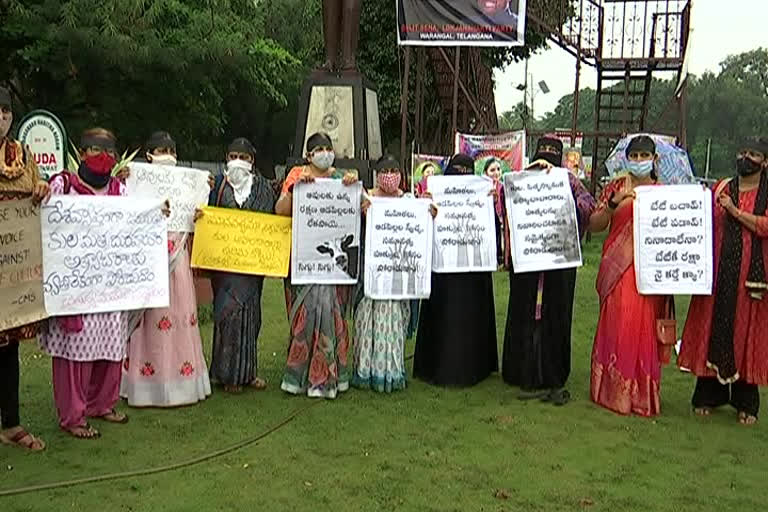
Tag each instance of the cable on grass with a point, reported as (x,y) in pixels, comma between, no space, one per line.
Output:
(160,469)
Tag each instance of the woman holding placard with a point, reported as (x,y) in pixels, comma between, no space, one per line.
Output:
(725,341)
(19,180)
(381,325)
(319,338)
(88,350)
(165,366)
(237,297)
(626,370)
(456,340)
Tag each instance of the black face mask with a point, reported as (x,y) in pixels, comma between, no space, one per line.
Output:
(747,167)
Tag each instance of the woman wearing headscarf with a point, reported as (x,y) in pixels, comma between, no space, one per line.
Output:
(319,338)
(725,341)
(456,340)
(626,369)
(537,339)
(19,179)
(165,366)
(88,349)
(381,325)
(492,169)
(237,297)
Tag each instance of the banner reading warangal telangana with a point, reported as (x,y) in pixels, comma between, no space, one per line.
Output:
(461,22)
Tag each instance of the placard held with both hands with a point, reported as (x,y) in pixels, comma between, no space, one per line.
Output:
(326,232)
(544,231)
(398,249)
(465,229)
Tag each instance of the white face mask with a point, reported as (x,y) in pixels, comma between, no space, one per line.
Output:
(239,176)
(323,159)
(162,159)
(6,120)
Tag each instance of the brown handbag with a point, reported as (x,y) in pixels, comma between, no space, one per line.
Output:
(666,331)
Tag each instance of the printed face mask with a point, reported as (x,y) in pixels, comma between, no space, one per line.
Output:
(323,159)
(641,169)
(388,181)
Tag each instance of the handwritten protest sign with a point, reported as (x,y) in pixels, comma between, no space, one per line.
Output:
(673,240)
(465,229)
(326,233)
(21,265)
(242,242)
(398,249)
(187,189)
(103,254)
(544,233)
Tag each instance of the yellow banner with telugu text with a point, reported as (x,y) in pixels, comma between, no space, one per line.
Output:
(242,242)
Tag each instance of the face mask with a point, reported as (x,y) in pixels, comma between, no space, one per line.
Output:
(5,123)
(388,181)
(238,171)
(162,159)
(746,166)
(640,169)
(323,159)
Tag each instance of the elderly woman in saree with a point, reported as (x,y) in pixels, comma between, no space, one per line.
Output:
(165,366)
(319,336)
(626,368)
(237,297)
(725,341)
(456,340)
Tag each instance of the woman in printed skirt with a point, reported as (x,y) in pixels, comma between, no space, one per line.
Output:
(165,366)
(319,339)
(381,325)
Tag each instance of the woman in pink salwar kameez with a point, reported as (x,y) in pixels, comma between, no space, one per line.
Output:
(626,371)
(165,365)
(88,350)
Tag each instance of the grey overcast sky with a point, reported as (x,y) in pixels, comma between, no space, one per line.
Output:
(719,30)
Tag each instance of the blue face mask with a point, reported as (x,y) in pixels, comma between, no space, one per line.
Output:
(640,169)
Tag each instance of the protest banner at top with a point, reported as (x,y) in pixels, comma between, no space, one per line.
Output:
(186,189)
(465,227)
(424,166)
(461,22)
(21,265)
(673,240)
(398,249)
(509,148)
(242,242)
(326,232)
(104,254)
(544,232)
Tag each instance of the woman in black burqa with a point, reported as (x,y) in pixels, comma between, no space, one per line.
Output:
(456,341)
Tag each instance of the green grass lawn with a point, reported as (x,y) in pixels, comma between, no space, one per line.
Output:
(425,449)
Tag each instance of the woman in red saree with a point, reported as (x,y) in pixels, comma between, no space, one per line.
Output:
(730,356)
(626,371)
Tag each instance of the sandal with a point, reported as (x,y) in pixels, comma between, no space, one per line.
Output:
(84,432)
(533,394)
(560,397)
(702,411)
(235,390)
(747,419)
(24,439)
(114,417)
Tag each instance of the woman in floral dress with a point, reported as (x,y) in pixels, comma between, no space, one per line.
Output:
(165,366)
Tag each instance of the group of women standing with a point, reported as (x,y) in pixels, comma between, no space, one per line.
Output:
(155,358)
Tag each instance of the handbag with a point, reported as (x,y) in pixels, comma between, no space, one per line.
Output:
(666,331)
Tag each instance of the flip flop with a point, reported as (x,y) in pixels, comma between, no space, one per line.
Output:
(114,417)
(84,432)
(18,437)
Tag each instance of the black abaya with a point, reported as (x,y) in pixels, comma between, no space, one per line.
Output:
(456,341)
(537,353)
